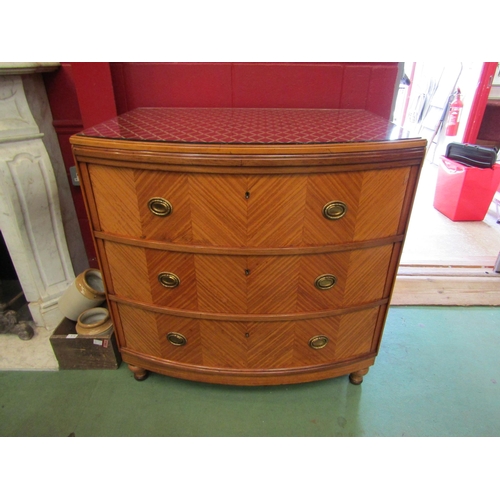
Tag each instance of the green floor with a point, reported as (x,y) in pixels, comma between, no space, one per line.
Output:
(437,374)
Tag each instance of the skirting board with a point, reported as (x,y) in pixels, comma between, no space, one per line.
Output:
(447,286)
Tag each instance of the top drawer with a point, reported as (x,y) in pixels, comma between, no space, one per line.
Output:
(260,211)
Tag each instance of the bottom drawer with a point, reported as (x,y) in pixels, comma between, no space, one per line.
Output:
(249,345)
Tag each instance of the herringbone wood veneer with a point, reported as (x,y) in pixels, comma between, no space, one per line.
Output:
(248,284)
(270,211)
(249,345)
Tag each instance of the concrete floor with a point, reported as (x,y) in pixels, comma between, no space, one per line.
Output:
(437,374)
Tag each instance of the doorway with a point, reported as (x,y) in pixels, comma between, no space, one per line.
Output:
(443,262)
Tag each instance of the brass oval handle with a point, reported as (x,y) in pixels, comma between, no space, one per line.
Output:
(334,210)
(169,280)
(160,207)
(318,342)
(325,281)
(176,339)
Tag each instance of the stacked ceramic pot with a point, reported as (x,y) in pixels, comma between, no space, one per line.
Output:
(82,302)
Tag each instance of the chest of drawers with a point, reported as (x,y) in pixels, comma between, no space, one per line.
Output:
(248,246)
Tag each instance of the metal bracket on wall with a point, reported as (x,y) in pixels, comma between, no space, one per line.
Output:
(75,180)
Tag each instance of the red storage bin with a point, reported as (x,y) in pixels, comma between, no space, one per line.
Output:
(465,193)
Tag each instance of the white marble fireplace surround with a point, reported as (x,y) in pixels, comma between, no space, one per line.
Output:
(37,215)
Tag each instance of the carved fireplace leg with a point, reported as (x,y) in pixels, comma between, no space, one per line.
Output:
(357,377)
(140,374)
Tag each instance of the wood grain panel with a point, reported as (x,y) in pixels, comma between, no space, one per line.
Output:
(309,297)
(367,275)
(270,345)
(219,209)
(173,187)
(116,200)
(272,284)
(276,210)
(128,267)
(140,331)
(357,331)
(221,283)
(381,202)
(253,345)
(304,355)
(192,352)
(323,189)
(184,296)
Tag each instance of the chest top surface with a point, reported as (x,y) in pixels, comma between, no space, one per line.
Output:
(247,126)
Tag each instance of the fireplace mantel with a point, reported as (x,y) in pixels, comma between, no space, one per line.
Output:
(34,193)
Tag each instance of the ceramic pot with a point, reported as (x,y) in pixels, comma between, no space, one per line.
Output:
(86,291)
(95,321)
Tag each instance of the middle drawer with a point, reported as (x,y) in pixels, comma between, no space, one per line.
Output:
(245,284)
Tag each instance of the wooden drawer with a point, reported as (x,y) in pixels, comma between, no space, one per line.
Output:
(263,211)
(248,284)
(252,345)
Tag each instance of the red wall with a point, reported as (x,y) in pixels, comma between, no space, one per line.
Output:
(84,94)
(293,85)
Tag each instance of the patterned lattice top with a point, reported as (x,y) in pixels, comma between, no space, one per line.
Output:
(247,126)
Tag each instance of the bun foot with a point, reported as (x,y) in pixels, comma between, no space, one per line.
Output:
(357,377)
(140,374)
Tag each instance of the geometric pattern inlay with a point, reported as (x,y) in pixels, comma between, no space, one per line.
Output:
(246,126)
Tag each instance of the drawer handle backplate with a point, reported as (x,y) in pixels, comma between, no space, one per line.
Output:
(169,280)
(160,207)
(334,210)
(325,281)
(176,339)
(318,342)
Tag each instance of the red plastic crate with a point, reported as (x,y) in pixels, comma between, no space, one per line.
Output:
(465,193)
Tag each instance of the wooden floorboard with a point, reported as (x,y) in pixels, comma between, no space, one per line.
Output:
(446,286)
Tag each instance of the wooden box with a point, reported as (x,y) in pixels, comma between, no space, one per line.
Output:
(77,352)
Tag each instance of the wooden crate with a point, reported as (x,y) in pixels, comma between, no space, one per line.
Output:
(77,352)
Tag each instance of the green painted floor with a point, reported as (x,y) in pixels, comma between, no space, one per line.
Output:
(437,374)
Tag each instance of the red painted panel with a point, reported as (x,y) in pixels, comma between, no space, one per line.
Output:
(287,85)
(88,242)
(94,90)
(64,132)
(381,93)
(67,120)
(171,85)
(490,124)
(61,93)
(479,103)
(355,87)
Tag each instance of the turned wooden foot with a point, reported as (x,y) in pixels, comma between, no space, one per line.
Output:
(357,377)
(140,374)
